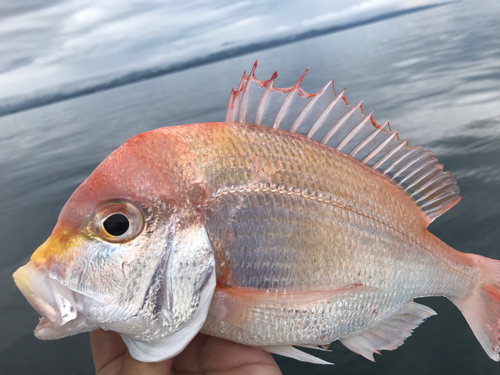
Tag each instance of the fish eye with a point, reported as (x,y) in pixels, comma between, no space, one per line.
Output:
(118,221)
(116,224)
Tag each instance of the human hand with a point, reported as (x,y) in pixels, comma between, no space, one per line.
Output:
(204,355)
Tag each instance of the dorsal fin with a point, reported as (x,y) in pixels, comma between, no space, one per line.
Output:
(329,119)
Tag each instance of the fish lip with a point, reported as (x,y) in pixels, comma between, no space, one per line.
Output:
(62,314)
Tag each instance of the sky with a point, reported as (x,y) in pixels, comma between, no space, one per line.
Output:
(47,43)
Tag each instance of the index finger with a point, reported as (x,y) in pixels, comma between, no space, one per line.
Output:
(108,350)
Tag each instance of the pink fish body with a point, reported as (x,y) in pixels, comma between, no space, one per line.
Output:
(297,221)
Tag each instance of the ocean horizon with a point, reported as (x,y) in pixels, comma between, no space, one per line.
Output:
(50,95)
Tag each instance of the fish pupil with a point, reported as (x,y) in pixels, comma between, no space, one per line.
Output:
(116,224)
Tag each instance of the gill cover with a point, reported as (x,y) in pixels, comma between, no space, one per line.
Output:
(187,286)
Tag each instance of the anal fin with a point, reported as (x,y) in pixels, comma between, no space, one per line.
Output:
(390,334)
(291,352)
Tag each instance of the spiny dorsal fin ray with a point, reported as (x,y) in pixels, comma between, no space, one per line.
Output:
(328,118)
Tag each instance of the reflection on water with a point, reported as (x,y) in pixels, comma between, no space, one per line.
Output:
(435,74)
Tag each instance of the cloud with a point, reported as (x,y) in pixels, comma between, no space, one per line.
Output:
(50,43)
(10,8)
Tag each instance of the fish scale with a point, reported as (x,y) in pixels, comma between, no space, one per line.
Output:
(328,176)
(314,171)
(337,243)
(341,218)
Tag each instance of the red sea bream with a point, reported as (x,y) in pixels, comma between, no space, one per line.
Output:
(296,222)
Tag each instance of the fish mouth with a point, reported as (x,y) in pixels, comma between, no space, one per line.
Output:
(62,312)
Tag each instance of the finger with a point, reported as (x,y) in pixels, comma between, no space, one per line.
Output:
(108,349)
(131,366)
(212,354)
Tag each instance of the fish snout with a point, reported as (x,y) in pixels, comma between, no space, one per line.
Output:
(58,249)
(52,300)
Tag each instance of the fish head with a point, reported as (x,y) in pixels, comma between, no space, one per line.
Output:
(104,263)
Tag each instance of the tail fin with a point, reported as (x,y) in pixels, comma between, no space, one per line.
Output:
(481,307)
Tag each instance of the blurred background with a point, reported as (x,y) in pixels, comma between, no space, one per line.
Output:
(78,78)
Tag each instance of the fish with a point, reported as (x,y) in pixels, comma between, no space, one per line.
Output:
(296,222)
